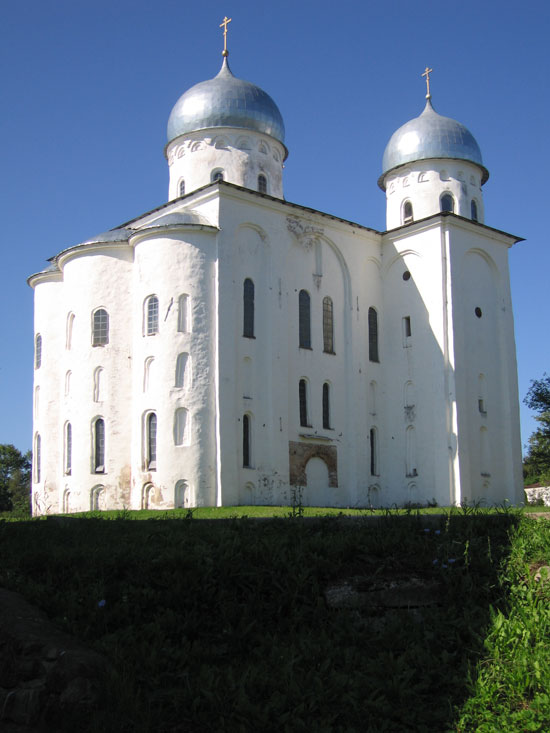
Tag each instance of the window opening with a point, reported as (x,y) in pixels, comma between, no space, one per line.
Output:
(407,333)
(262,183)
(304,320)
(303,403)
(181,370)
(326,406)
(69,333)
(68,448)
(151,429)
(248,308)
(181,188)
(99,446)
(474,210)
(37,457)
(246,441)
(217,175)
(38,351)
(98,384)
(373,335)
(373,453)
(152,325)
(180,426)
(100,335)
(183,313)
(407,212)
(328,326)
(447,203)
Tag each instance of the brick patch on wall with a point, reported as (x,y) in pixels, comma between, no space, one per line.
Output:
(300,453)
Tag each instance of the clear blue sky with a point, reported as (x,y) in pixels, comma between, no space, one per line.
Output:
(88,87)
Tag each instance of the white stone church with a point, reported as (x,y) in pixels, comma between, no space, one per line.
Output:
(231,347)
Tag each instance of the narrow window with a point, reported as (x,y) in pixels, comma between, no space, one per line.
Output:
(183,313)
(96,498)
(66,501)
(373,335)
(69,331)
(302,393)
(326,406)
(181,188)
(262,183)
(481,395)
(217,175)
(100,327)
(304,320)
(152,315)
(181,370)
(474,210)
(36,402)
(328,326)
(68,448)
(373,453)
(37,458)
(68,376)
(447,202)
(180,426)
(407,212)
(246,441)
(99,446)
(248,308)
(407,333)
(98,384)
(151,441)
(181,494)
(148,372)
(411,452)
(38,351)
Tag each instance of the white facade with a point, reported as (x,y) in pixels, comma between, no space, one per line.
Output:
(169,404)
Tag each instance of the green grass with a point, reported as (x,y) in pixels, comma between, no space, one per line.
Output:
(224,626)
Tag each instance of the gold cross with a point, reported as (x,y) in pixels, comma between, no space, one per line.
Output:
(224,23)
(427,73)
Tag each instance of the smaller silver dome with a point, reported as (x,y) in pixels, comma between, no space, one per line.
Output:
(226,101)
(430,136)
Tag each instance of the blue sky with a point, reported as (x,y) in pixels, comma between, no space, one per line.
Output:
(88,87)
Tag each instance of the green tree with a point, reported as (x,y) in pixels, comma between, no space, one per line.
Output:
(15,479)
(536,465)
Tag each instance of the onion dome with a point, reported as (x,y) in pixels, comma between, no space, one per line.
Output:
(226,101)
(431,136)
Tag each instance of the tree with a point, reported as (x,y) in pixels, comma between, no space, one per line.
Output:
(536,465)
(15,479)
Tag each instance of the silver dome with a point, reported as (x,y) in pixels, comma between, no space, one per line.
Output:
(226,101)
(430,136)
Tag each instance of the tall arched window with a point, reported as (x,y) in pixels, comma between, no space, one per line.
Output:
(37,457)
(68,452)
(69,331)
(217,175)
(246,441)
(304,319)
(181,188)
(183,313)
(262,183)
(181,494)
(99,446)
(148,373)
(181,427)
(151,441)
(447,203)
(98,384)
(151,315)
(96,496)
(473,208)
(302,396)
(328,326)
(248,308)
(100,327)
(182,369)
(38,351)
(373,335)
(373,452)
(326,406)
(407,212)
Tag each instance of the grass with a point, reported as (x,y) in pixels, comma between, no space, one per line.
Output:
(224,626)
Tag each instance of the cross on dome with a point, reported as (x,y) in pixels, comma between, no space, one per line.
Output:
(224,23)
(427,72)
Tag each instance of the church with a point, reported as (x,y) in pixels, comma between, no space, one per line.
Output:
(231,347)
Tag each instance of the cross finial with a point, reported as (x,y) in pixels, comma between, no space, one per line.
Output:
(224,23)
(427,72)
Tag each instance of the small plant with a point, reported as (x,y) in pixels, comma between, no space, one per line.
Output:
(297,508)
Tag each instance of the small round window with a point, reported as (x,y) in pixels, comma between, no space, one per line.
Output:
(406,275)
(478,312)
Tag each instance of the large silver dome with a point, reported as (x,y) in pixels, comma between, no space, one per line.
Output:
(430,136)
(226,101)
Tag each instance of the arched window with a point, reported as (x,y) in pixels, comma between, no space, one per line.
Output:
(407,212)
(326,406)
(182,369)
(304,320)
(246,441)
(373,452)
(411,451)
(96,498)
(38,351)
(68,377)
(100,327)
(473,208)
(481,394)
(373,335)
(181,187)
(183,313)
(181,427)
(328,326)
(68,448)
(181,494)
(36,402)
(151,315)
(447,203)
(302,396)
(98,384)
(69,331)
(262,183)
(148,372)
(66,501)
(37,457)
(151,441)
(248,308)
(99,446)
(217,175)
